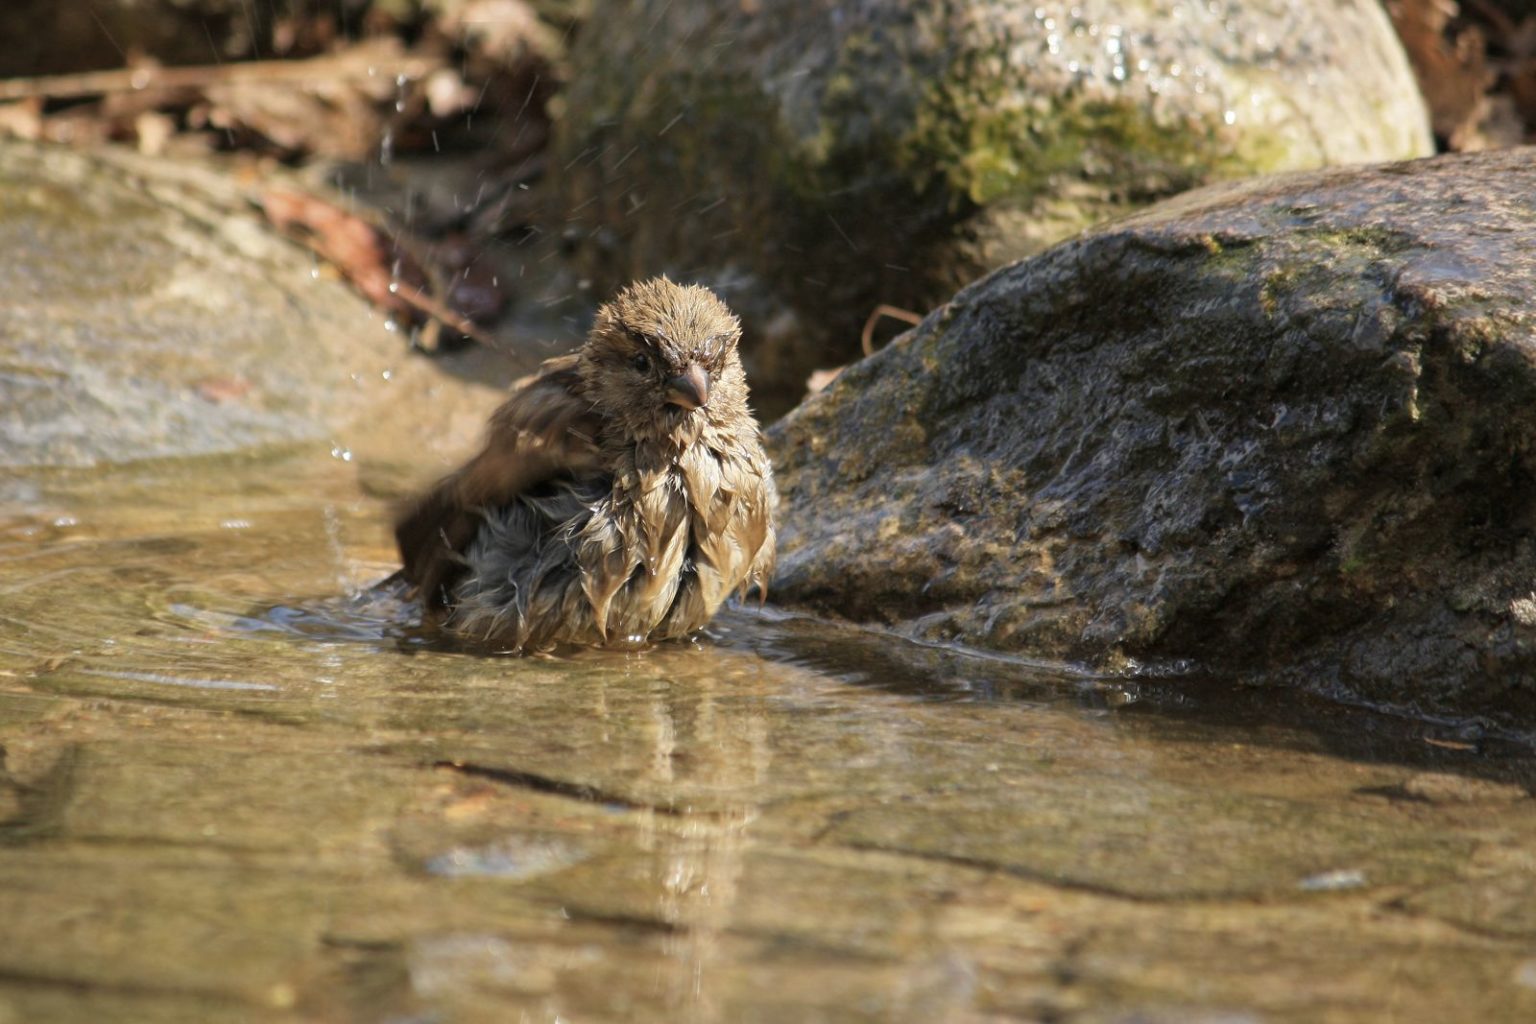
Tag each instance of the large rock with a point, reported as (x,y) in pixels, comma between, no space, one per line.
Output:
(148,312)
(1284,426)
(814,159)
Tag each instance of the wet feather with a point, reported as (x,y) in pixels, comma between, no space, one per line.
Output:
(600,507)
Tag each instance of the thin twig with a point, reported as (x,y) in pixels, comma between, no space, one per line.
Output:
(425,303)
(906,316)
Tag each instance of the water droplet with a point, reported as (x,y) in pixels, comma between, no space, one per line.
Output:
(1330,881)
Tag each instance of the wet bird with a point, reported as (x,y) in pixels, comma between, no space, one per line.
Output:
(622,493)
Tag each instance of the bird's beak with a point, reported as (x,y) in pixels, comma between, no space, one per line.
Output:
(689,389)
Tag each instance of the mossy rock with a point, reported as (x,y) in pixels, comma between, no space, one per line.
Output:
(813,161)
(1283,428)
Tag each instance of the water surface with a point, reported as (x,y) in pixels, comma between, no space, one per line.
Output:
(236,786)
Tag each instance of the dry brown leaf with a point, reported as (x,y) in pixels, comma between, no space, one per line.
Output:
(363,253)
(819,380)
(386,271)
(1451,68)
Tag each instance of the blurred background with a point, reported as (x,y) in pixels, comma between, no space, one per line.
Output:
(487,169)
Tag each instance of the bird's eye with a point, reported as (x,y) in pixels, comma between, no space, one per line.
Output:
(641,363)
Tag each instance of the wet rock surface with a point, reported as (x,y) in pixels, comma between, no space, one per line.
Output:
(229,794)
(763,147)
(149,313)
(1282,426)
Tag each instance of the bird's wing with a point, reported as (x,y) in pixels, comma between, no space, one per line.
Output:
(545,429)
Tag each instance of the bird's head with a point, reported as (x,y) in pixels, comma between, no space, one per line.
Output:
(661,361)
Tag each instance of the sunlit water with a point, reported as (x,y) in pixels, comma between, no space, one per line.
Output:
(237,784)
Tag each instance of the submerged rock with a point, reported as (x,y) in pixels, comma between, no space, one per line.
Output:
(815,159)
(1284,426)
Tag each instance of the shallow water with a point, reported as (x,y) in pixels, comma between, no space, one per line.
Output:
(236,786)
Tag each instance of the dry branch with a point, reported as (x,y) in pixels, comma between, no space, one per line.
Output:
(357,63)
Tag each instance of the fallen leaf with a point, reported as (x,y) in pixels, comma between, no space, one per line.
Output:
(1451,67)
